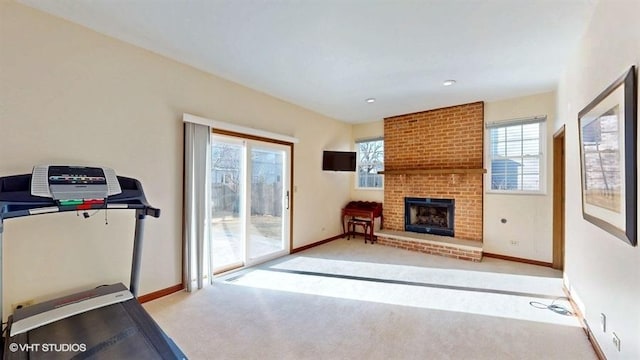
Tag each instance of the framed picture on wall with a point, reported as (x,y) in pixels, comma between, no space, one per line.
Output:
(608,131)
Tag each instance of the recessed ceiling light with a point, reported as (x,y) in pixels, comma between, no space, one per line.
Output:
(371,100)
(448,82)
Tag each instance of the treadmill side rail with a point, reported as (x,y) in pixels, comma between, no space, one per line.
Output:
(47,312)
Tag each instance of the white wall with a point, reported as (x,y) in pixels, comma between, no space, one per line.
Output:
(365,131)
(602,271)
(72,96)
(529,217)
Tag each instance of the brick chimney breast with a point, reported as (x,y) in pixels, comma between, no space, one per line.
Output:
(446,138)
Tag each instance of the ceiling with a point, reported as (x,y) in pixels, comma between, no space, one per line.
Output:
(330,55)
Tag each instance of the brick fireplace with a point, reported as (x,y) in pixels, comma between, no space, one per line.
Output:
(436,154)
(429,216)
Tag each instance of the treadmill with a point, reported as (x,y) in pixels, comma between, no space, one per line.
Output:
(107,322)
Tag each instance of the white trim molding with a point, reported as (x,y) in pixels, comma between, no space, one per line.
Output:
(221,125)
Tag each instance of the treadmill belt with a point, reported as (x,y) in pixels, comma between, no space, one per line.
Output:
(118,331)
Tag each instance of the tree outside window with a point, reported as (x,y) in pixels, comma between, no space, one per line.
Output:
(370,162)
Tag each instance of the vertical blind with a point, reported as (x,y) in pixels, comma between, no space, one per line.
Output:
(197,164)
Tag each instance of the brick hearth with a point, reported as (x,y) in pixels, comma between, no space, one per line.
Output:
(431,244)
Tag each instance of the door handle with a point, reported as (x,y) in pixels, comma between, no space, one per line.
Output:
(287,200)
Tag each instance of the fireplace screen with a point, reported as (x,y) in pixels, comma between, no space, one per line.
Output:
(433,216)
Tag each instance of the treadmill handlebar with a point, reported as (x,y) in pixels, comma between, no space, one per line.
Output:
(151,211)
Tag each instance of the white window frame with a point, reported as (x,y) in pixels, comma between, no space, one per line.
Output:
(357,175)
(541,120)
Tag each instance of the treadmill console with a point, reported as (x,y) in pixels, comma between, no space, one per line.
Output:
(71,185)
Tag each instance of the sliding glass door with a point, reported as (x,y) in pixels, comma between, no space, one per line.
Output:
(268,218)
(250,201)
(227,184)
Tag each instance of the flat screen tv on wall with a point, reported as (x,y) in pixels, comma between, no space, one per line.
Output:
(339,160)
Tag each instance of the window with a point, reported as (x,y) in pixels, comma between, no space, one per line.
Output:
(370,161)
(516,155)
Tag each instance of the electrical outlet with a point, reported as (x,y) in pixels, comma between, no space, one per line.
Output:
(22,304)
(616,341)
(603,322)
(514,242)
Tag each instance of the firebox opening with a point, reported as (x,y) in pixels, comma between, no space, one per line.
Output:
(433,216)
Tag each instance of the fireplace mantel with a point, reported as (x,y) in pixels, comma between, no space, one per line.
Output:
(433,171)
